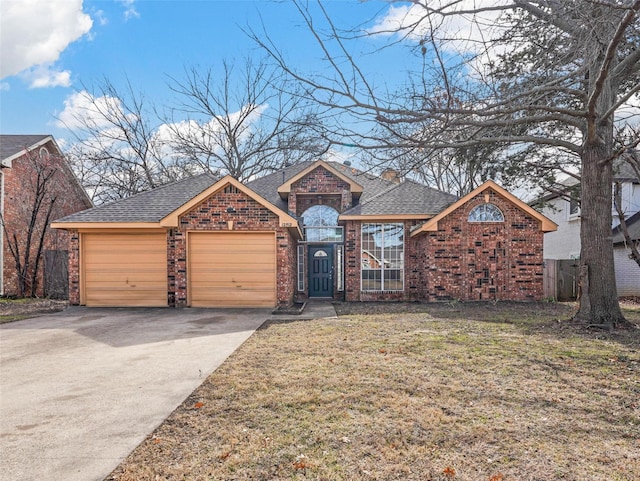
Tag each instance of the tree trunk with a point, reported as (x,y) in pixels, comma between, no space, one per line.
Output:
(598,294)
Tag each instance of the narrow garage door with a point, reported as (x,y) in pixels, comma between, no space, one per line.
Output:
(232,269)
(124,269)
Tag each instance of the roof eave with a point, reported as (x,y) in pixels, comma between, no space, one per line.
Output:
(8,161)
(372,217)
(546,224)
(285,188)
(285,220)
(76,225)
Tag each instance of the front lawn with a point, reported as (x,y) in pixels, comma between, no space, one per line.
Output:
(411,392)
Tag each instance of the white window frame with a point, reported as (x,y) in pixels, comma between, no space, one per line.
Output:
(301,259)
(400,269)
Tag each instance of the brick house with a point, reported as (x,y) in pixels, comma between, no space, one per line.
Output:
(29,163)
(312,230)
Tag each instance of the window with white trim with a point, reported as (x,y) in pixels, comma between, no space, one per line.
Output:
(301,256)
(339,249)
(382,257)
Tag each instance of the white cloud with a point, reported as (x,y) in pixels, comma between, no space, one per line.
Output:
(47,76)
(130,9)
(82,108)
(38,31)
(457,32)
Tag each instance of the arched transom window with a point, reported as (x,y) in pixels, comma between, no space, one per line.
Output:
(321,224)
(486,213)
(320,216)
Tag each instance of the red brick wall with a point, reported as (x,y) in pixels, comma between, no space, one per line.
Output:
(19,191)
(320,181)
(212,215)
(483,261)
(74,267)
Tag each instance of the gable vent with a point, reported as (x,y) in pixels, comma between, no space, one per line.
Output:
(230,189)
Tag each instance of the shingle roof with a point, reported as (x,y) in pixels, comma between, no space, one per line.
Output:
(622,170)
(633,226)
(379,197)
(267,186)
(407,197)
(11,145)
(150,206)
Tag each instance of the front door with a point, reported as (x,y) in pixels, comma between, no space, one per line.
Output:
(321,271)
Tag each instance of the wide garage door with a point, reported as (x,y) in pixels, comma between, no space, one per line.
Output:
(124,269)
(232,269)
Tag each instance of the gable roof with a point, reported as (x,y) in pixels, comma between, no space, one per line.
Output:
(162,207)
(407,199)
(285,187)
(147,207)
(546,225)
(14,146)
(267,186)
(171,220)
(633,226)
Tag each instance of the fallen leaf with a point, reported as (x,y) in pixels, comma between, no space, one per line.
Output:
(497,477)
(198,405)
(449,472)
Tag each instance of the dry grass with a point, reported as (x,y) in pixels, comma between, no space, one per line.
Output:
(12,310)
(411,392)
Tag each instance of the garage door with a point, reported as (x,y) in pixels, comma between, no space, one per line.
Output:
(124,269)
(231,269)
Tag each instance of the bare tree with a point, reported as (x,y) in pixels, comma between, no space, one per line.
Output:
(117,150)
(531,75)
(35,204)
(242,122)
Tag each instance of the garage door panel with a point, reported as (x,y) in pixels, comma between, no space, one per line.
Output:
(232,269)
(232,298)
(125,269)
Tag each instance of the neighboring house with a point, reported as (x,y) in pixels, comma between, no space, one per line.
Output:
(562,246)
(26,160)
(312,230)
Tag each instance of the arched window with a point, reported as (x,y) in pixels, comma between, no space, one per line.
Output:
(320,216)
(44,153)
(321,224)
(486,213)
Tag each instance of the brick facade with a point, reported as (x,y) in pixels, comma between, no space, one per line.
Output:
(461,260)
(20,183)
(214,214)
(320,182)
(486,260)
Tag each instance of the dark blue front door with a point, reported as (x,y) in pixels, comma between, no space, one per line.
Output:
(321,271)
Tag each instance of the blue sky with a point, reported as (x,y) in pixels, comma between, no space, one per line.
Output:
(52,49)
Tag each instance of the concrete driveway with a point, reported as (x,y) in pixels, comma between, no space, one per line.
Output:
(80,389)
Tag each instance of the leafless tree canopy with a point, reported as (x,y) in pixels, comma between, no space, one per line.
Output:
(239,123)
(34,206)
(538,81)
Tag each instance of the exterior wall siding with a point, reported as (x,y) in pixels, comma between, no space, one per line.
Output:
(627,272)
(564,243)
